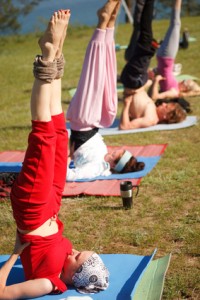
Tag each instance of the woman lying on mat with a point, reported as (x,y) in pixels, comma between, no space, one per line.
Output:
(50,263)
(165,85)
(139,109)
(94,106)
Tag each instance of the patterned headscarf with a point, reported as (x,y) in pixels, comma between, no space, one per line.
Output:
(92,276)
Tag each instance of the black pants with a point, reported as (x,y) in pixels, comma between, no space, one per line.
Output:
(134,75)
(78,138)
(139,5)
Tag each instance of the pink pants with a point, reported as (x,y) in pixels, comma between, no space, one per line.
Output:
(95,101)
(37,192)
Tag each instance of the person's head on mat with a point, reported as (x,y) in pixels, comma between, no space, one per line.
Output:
(86,271)
(122,161)
(169,113)
(189,87)
(89,160)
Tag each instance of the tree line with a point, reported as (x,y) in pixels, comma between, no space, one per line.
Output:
(11,10)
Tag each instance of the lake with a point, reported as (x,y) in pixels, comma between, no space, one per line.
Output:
(83,12)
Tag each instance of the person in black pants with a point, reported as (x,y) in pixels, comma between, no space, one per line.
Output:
(134,75)
(139,5)
(139,109)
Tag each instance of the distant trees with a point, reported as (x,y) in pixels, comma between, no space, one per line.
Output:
(162,7)
(189,7)
(192,7)
(10,11)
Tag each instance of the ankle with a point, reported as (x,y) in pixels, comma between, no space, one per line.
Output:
(103,19)
(60,63)
(45,70)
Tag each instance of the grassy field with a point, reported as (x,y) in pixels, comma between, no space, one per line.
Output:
(166,212)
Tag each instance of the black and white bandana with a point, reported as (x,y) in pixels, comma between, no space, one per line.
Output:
(92,276)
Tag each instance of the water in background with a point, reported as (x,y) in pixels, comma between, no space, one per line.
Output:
(83,12)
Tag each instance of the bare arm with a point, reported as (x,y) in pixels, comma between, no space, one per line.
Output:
(154,90)
(28,289)
(125,119)
(71,154)
(6,268)
(190,93)
(149,117)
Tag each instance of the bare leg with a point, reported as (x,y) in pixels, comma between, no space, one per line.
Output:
(49,44)
(55,102)
(177,4)
(66,18)
(51,39)
(113,16)
(104,13)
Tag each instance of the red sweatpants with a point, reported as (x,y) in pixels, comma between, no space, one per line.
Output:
(36,194)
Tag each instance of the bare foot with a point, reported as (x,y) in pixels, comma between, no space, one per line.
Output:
(50,41)
(114,14)
(60,48)
(105,13)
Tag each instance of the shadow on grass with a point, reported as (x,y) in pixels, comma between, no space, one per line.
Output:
(107,208)
(96,207)
(23,127)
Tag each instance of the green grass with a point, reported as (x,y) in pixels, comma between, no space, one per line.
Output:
(165,214)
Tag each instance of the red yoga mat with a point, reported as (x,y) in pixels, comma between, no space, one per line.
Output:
(97,187)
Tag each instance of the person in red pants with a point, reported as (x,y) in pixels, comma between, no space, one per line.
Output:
(49,261)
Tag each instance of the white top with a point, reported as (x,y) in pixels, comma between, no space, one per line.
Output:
(89,160)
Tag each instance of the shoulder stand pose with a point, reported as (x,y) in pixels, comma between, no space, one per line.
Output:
(165,85)
(49,261)
(139,5)
(95,105)
(139,109)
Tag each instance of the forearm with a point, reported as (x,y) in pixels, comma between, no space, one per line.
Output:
(140,122)
(68,161)
(154,94)
(143,122)
(125,119)
(190,94)
(6,268)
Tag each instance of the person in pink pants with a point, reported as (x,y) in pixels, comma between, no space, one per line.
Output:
(94,106)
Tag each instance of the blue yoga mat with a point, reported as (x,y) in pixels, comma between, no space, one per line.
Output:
(113,129)
(150,163)
(12,167)
(126,271)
